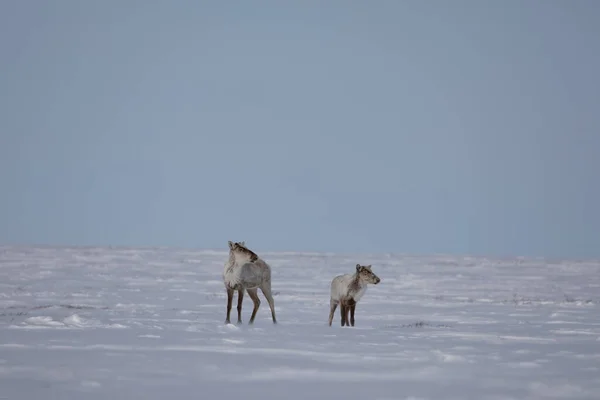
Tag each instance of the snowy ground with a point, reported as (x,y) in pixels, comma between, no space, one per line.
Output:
(100,323)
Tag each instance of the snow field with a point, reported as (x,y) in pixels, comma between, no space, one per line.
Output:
(96,323)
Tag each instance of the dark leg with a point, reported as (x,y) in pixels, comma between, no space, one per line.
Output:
(229,300)
(254,296)
(239,307)
(348,306)
(343,312)
(352,308)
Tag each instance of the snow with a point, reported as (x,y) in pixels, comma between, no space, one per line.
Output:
(98,323)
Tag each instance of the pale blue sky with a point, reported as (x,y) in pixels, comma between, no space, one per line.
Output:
(357,126)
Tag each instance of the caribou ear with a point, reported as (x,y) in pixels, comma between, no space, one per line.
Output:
(230,244)
(358,267)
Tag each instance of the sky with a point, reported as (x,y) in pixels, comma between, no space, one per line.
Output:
(463,127)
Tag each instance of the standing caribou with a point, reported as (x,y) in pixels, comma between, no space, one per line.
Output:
(346,290)
(245,270)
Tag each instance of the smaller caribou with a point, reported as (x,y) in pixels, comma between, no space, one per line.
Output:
(346,290)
